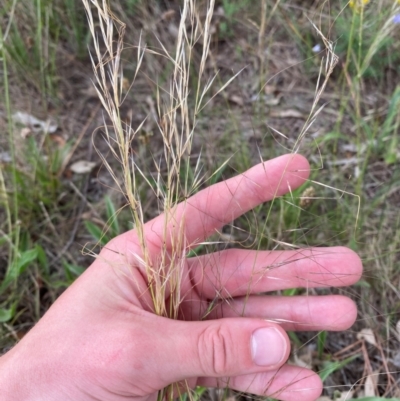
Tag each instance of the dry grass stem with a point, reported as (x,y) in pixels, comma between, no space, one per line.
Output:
(176,123)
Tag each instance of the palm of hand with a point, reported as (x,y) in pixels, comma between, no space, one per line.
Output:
(101,339)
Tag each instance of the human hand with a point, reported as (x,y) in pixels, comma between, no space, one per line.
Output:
(102,341)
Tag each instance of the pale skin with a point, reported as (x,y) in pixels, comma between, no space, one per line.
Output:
(101,340)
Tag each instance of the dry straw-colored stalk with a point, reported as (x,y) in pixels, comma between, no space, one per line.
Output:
(176,122)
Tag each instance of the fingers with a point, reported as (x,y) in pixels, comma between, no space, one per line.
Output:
(221,203)
(235,272)
(192,221)
(220,348)
(298,313)
(290,383)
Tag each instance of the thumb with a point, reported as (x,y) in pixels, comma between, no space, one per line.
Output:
(223,347)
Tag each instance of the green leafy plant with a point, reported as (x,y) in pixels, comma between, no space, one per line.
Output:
(330,367)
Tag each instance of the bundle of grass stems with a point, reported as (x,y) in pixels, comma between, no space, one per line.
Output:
(178,108)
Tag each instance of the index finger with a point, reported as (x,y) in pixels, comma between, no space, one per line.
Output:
(210,209)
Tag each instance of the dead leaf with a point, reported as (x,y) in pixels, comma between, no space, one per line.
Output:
(59,140)
(286,113)
(168,15)
(304,358)
(367,335)
(299,362)
(370,385)
(25,132)
(324,398)
(82,167)
(271,100)
(270,89)
(34,123)
(236,99)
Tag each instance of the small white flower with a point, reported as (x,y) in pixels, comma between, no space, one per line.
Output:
(317,48)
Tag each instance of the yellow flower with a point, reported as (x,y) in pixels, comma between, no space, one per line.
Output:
(358,5)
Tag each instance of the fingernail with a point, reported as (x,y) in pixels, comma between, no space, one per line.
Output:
(268,346)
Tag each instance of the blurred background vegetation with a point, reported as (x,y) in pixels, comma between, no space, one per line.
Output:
(56,196)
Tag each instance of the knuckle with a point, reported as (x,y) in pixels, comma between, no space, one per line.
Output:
(215,349)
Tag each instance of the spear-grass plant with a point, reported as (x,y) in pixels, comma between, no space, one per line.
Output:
(176,176)
(176,124)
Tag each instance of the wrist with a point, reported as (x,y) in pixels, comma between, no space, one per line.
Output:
(33,371)
(11,387)
(22,377)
